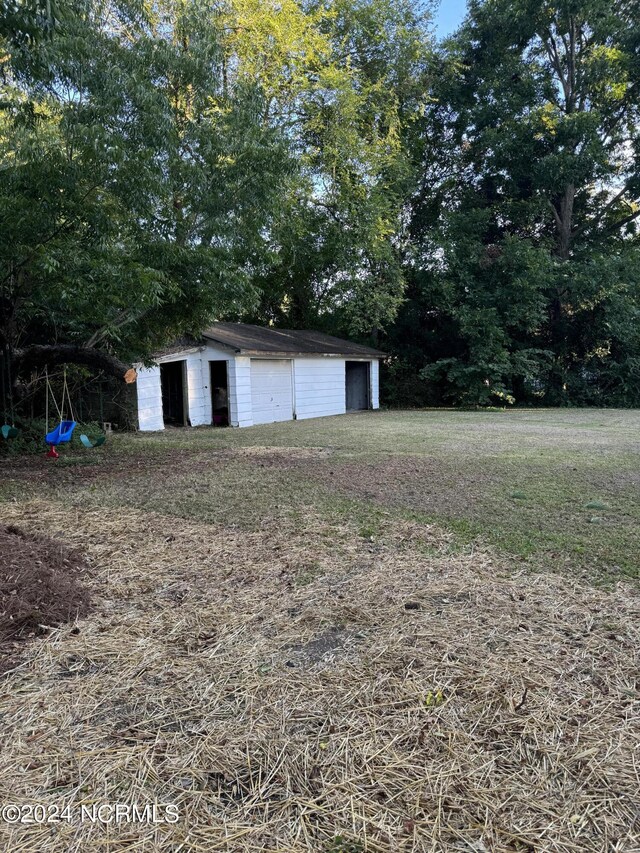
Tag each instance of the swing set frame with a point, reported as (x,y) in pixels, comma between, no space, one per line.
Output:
(60,434)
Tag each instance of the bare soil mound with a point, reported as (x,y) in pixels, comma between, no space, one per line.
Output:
(39,583)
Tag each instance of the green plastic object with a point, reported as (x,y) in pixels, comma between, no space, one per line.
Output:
(97,443)
(8,431)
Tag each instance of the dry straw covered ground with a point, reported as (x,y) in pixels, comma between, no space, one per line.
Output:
(303,682)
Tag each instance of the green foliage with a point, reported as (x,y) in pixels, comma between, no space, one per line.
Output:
(30,438)
(31,433)
(164,164)
(525,282)
(351,94)
(404,386)
(136,186)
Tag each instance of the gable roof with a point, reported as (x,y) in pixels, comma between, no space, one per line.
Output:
(246,339)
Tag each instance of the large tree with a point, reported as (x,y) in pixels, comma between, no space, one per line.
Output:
(166,163)
(525,281)
(136,185)
(345,82)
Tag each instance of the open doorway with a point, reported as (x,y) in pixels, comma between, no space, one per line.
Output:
(219,393)
(173,381)
(357,385)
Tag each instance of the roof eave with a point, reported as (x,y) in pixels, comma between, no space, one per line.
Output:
(222,344)
(289,354)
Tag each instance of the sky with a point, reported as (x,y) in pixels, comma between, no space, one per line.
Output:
(449,16)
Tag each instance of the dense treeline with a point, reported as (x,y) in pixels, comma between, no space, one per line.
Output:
(525,276)
(469,206)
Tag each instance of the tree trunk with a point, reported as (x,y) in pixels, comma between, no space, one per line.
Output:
(563,215)
(37,356)
(565,223)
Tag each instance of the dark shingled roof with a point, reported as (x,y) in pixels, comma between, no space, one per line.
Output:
(261,340)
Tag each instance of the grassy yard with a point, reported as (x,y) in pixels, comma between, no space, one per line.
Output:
(390,631)
(558,489)
(553,489)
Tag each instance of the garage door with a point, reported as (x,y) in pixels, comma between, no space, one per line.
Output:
(271,392)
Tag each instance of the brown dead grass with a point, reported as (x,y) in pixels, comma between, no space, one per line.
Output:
(281,454)
(399,701)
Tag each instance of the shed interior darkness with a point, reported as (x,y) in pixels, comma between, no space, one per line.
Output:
(172,378)
(219,392)
(357,385)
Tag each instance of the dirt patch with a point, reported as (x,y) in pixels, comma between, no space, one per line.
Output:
(427,484)
(39,585)
(281,455)
(91,466)
(323,646)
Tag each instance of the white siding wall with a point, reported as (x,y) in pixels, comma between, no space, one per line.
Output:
(205,380)
(319,387)
(240,392)
(198,392)
(195,392)
(149,393)
(375,384)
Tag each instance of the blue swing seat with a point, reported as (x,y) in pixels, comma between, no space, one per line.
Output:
(61,433)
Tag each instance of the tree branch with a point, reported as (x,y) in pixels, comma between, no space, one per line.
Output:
(627,219)
(552,52)
(556,215)
(124,317)
(598,218)
(37,355)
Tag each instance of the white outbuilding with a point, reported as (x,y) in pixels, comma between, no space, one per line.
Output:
(241,375)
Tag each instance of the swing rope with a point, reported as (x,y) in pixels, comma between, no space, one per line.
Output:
(65,396)
(65,390)
(53,397)
(63,432)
